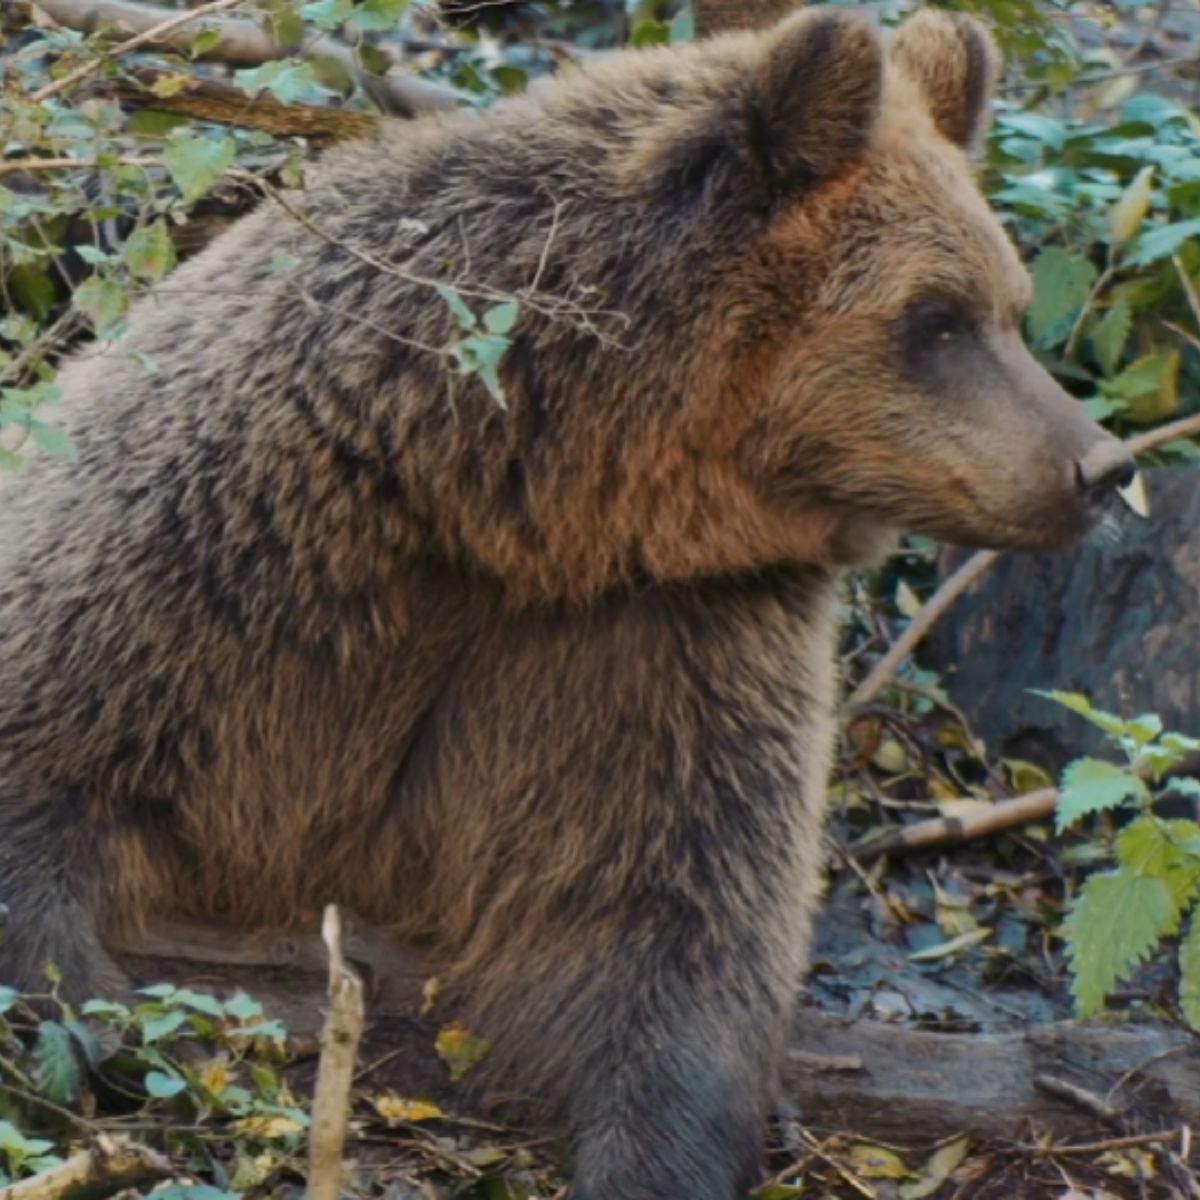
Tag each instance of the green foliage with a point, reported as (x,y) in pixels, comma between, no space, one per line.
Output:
(1121,915)
(485,339)
(1110,214)
(205,1071)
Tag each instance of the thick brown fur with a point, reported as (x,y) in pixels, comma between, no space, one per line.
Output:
(549,684)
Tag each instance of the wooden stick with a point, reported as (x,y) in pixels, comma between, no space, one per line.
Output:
(335,1070)
(941,831)
(111,1164)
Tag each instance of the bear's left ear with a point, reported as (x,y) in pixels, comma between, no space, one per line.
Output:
(955,63)
(814,97)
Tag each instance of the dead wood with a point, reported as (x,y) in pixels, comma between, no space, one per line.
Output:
(111,1164)
(212,100)
(880,1080)
(242,43)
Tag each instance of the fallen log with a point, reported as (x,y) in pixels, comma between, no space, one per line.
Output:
(880,1080)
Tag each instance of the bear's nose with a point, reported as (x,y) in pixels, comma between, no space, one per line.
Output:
(1106,466)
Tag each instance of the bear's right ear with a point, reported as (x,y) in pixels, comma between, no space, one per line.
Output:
(813,98)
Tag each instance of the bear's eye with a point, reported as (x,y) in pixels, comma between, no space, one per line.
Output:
(938,323)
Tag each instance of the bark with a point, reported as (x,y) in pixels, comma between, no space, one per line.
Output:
(1117,619)
(879,1080)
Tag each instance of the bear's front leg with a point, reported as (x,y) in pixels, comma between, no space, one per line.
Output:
(630,805)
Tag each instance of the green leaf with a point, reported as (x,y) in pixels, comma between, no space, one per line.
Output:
(193,1191)
(200,1001)
(8,997)
(203,42)
(502,317)
(58,1076)
(1161,242)
(288,80)
(462,314)
(103,301)
(328,14)
(1167,850)
(195,163)
(52,441)
(1090,785)
(104,1008)
(1062,281)
(1189,974)
(1144,728)
(155,1028)
(93,255)
(1110,334)
(158,991)
(378,14)
(1080,704)
(1114,924)
(243,1008)
(163,1087)
(149,253)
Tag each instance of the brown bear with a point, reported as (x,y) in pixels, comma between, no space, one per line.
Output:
(547,683)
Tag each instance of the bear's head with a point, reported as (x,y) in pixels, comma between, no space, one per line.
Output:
(908,395)
(847,309)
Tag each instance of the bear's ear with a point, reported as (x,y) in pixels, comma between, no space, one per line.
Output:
(955,63)
(814,97)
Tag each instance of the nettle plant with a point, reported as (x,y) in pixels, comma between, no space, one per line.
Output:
(1121,915)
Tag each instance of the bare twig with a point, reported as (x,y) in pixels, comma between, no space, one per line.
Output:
(1074,1094)
(155,33)
(111,1164)
(240,43)
(13,166)
(335,1071)
(944,598)
(925,619)
(942,831)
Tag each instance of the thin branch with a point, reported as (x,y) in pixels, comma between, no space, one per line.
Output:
(12,166)
(242,43)
(112,1164)
(156,33)
(945,831)
(944,598)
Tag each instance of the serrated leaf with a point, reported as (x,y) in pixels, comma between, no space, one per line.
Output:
(1189,974)
(149,252)
(1161,242)
(1144,728)
(1127,214)
(1062,281)
(162,1086)
(1090,785)
(200,1001)
(1117,920)
(103,301)
(195,163)
(1082,706)
(500,318)
(1110,334)
(1165,850)
(58,1076)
